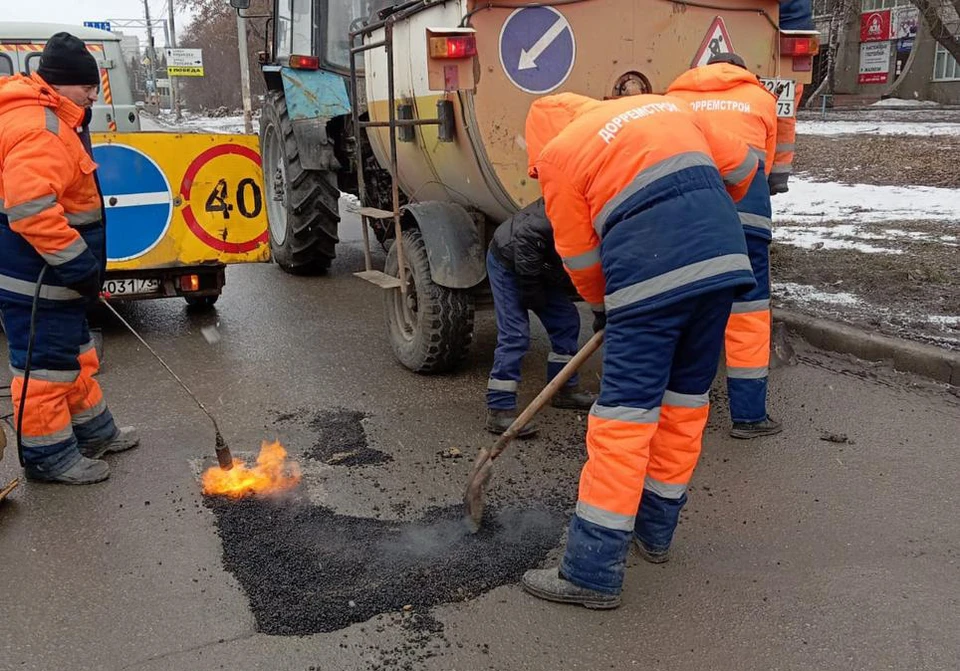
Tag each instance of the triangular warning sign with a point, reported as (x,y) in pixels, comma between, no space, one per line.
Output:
(716,41)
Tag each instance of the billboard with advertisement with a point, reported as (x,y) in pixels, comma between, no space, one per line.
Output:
(875,26)
(904,22)
(874,62)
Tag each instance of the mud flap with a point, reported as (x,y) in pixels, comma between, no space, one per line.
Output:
(453,242)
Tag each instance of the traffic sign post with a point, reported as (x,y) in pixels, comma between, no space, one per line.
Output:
(537,49)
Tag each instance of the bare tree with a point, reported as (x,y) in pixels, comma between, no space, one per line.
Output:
(214,29)
(943,19)
(842,13)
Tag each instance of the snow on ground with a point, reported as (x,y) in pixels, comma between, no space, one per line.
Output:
(196,123)
(896,103)
(813,202)
(843,304)
(832,127)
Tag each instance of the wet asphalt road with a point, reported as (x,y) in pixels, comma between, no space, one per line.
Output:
(794,552)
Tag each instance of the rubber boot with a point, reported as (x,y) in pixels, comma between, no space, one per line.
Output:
(548,584)
(84,472)
(765,427)
(498,421)
(650,555)
(573,398)
(126,438)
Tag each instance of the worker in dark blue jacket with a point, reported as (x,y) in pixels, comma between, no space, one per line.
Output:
(526,273)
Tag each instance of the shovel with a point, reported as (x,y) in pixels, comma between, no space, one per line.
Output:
(483,466)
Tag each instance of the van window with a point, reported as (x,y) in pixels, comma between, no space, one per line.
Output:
(6,65)
(32,61)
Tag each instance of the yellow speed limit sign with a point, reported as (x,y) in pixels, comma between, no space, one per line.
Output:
(217,208)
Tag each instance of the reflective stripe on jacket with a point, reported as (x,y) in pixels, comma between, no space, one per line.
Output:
(612,164)
(733,99)
(51,211)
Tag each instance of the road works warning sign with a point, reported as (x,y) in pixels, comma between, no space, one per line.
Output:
(716,41)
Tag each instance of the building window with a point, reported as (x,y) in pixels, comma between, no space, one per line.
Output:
(874,5)
(945,66)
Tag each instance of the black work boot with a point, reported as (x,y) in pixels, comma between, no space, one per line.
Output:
(765,427)
(498,421)
(650,555)
(547,583)
(126,438)
(573,398)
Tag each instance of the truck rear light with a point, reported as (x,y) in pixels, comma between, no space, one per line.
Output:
(305,62)
(799,45)
(462,46)
(190,283)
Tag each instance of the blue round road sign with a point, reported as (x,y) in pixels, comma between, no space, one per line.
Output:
(537,49)
(137,197)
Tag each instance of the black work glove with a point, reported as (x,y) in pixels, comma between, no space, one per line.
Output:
(777,181)
(599,321)
(88,287)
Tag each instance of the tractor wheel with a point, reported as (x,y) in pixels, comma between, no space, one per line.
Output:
(432,327)
(302,205)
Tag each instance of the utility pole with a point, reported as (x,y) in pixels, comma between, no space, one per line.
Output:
(174,83)
(244,75)
(151,50)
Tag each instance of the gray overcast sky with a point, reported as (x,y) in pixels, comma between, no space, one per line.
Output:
(77,11)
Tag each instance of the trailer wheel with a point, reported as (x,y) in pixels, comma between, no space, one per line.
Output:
(302,205)
(432,328)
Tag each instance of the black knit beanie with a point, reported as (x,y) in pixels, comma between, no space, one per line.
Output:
(65,61)
(728,57)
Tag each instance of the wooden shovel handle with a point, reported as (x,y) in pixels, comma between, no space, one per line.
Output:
(548,392)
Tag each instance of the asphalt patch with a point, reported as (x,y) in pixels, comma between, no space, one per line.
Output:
(307,569)
(340,438)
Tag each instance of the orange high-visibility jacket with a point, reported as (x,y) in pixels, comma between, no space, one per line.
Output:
(50,207)
(597,160)
(735,100)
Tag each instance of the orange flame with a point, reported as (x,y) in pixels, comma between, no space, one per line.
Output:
(272,474)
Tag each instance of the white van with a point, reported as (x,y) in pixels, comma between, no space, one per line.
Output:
(22,42)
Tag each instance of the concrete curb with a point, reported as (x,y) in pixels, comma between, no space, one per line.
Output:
(912,357)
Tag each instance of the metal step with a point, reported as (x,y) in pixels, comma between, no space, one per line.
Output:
(381,279)
(375,213)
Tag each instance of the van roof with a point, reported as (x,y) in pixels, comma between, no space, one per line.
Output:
(31,30)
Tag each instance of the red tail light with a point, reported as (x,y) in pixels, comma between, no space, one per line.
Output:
(799,45)
(305,62)
(463,46)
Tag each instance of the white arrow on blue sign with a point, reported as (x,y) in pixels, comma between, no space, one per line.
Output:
(537,49)
(138,199)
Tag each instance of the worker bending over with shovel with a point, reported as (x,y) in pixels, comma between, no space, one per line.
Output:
(728,96)
(636,190)
(52,260)
(526,274)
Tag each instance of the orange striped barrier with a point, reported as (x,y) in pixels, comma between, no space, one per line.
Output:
(107,96)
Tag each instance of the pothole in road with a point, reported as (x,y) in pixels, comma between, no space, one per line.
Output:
(307,569)
(340,437)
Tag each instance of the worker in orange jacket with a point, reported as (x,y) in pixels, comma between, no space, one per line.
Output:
(636,190)
(794,15)
(52,261)
(725,94)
